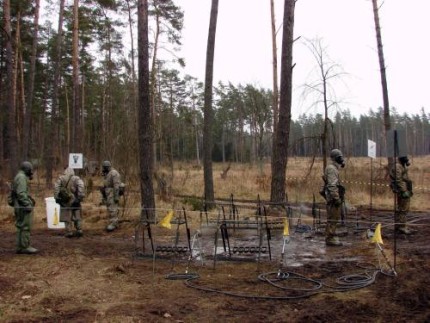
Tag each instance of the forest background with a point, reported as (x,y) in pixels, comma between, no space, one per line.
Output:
(84,97)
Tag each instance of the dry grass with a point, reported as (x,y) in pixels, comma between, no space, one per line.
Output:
(245,181)
(248,182)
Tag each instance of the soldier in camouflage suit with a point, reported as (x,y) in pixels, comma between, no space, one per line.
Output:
(402,187)
(110,191)
(23,206)
(70,211)
(334,193)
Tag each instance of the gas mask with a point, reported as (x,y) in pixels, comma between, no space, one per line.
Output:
(29,174)
(404,160)
(105,170)
(340,161)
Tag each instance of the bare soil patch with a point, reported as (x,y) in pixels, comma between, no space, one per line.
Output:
(101,278)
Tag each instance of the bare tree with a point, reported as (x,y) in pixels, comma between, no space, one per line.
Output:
(144,115)
(280,151)
(208,112)
(327,72)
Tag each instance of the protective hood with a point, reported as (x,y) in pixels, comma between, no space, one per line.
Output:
(68,172)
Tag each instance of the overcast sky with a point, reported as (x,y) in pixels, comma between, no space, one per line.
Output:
(346,29)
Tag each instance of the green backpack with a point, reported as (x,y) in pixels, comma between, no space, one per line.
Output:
(65,195)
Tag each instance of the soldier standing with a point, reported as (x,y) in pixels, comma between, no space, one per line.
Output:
(335,195)
(402,187)
(110,191)
(69,192)
(23,207)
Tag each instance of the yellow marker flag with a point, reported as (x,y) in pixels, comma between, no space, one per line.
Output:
(286,228)
(165,222)
(377,238)
(55,220)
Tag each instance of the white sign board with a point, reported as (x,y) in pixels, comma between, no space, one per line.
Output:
(371,148)
(76,161)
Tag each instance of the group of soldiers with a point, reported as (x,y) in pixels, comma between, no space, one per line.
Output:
(69,192)
(334,193)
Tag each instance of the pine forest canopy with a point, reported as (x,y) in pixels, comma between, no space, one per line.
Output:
(99,116)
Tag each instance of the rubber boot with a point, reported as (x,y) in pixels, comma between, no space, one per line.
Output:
(111,227)
(79,232)
(403,229)
(333,242)
(401,226)
(69,230)
(24,241)
(27,251)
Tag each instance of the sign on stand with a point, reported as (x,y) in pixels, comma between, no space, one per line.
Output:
(371,152)
(76,161)
(371,149)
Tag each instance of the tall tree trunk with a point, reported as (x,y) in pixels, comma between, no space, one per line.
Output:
(274,66)
(16,60)
(197,137)
(11,137)
(153,82)
(280,157)
(17,82)
(133,68)
(20,92)
(30,90)
(241,140)
(145,117)
(76,140)
(207,110)
(387,123)
(54,120)
(275,75)
(2,119)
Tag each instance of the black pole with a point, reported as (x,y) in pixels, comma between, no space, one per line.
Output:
(188,230)
(371,188)
(269,236)
(396,152)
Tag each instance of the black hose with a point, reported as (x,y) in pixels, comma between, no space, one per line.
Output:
(280,279)
(187,276)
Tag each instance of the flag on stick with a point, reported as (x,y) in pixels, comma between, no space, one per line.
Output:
(286,228)
(377,238)
(165,222)
(56,220)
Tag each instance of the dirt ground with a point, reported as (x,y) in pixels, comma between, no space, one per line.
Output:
(115,277)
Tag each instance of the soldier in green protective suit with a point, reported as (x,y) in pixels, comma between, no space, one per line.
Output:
(23,204)
(335,195)
(111,192)
(69,192)
(402,187)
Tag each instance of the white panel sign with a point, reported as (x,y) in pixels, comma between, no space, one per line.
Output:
(76,161)
(371,148)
